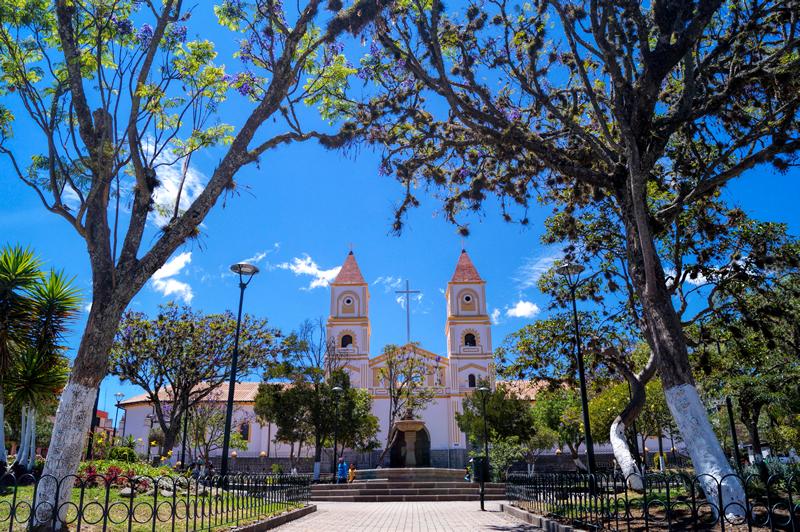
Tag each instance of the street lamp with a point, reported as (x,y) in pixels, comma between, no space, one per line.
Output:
(118,396)
(485,466)
(337,390)
(572,273)
(246,272)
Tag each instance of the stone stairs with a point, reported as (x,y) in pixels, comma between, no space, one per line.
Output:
(406,485)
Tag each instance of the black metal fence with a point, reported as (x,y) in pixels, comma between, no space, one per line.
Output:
(671,501)
(144,503)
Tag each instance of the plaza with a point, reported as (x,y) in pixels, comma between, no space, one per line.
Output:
(406,517)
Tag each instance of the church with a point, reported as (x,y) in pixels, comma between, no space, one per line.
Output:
(453,375)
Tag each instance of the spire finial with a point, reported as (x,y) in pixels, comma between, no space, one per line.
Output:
(351,248)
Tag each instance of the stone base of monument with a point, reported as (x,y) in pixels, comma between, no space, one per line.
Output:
(407,484)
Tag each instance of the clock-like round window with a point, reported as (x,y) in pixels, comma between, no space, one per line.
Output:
(467,298)
(348,301)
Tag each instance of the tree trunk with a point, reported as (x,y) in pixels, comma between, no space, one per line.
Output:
(31,437)
(74,414)
(3,450)
(22,450)
(626,459)
(750,415)
(317,457)
(664,333)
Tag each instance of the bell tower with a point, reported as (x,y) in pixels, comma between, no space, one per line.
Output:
(348,328)
(468,328)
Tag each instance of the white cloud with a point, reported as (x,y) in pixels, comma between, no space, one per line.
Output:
(401,299)
(305,265)
(495,316)
(171,179)
(389,282)
(163,280)
(523,309)
(261,255)
(529,273)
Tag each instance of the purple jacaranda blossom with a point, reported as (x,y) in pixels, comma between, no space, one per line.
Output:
(245,83)
(245,51)
(124,26)
(513,114)
(177,33)
(145,35)
(374,49)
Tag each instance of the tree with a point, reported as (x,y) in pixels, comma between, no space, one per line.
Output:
(557,420)
(748,350)
(182,356)
(302,411)
(648,108)
(19,271)
(404,375)
(108,107)
(507,416)
(207,427)
(39,314)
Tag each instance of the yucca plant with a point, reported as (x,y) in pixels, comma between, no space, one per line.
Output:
(19,272)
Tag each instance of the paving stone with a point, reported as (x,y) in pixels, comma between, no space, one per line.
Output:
(408,517)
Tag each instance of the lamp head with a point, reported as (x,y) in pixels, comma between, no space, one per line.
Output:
(338,389)
(484,389)
(244,268)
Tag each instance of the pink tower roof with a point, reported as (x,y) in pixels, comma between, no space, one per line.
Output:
(465,270)
(349,274)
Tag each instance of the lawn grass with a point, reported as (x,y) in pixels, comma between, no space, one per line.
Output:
(205,512)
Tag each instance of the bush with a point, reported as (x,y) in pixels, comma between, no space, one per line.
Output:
(123,454)
(277,469)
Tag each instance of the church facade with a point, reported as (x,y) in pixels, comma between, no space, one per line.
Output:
(451,375)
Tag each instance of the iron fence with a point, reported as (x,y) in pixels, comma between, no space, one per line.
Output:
(144,503)
(662,501)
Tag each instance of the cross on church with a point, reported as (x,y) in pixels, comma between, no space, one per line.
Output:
(407,293)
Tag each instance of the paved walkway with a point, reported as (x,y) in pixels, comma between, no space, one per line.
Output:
(406,516)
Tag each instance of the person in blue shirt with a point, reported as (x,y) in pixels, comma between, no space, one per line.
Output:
(341,472)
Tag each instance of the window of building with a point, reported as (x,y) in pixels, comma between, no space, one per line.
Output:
(347,340)
(471,380)
(348,301)
(469,340)
(244,431)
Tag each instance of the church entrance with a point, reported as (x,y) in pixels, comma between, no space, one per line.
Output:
(422,451)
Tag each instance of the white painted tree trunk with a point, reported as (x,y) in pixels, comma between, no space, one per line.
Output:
(3,450)
(624,457)
(710,464)
(31,437)
(73,418)
(22,451)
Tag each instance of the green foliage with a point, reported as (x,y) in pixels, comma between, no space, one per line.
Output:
(181,356)
(122,454)
(101,467)
(557,419)
(504,453)
(507,416)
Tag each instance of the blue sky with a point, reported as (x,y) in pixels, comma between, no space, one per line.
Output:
(300,210)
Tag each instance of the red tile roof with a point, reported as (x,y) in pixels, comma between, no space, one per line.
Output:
(244,392)
(350,274)
(465,270)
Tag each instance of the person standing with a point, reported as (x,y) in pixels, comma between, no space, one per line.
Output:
(341,471)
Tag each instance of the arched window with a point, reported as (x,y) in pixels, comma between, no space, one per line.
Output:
(244,430)
(469,340)
(347,340)
(471,380)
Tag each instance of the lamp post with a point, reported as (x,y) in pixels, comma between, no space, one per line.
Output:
(485,469)
(336,390)
(246,273)
(118,396)
(571,273)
